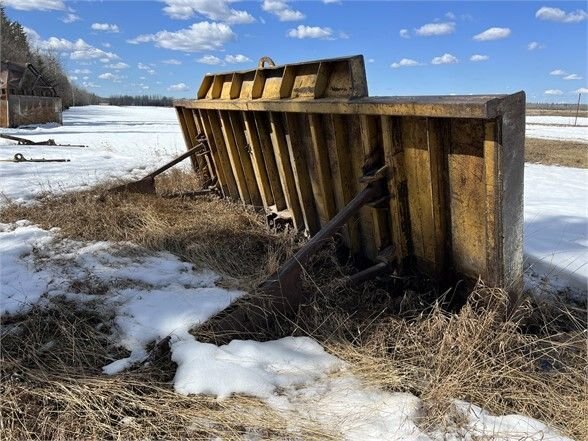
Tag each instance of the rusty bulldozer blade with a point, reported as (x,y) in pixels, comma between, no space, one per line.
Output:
(147,184)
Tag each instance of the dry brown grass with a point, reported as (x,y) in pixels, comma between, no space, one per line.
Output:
(53,389)
(481,356)
(529,362)
(226,237)
(557,112)
(554,152)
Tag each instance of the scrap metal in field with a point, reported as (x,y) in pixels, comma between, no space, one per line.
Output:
(433,183)
(26,97)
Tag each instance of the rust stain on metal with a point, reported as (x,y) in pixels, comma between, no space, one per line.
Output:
(26,97)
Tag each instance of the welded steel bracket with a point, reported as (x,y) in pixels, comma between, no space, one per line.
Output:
(147,184)
(281,293)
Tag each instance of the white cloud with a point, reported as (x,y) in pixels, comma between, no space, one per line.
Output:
(210,59)
(558,72)
(72,78)
(117,66)
(534,45)
(581,90)
(90,85)
(203,36)
(330,2)
(281,9)
(109,76)
(35,5)
(87,52)
(404,33)
(239,58)
(371,60)
(432,29)
(478,57)
(450,15)
(106,27)
(445,59)
(492,34)
(82,71)
(32,36)
(553,92)
(556,14)
(106,44)
(77,50)
(310,32)
(216,10)
(172,61)
(146,67)
(573,77)
(70,18)
(180,87)
(405,62)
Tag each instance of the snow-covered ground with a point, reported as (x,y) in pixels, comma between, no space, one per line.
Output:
(557,128)
(167,297)
(557,120)
(123,142)
(556,225)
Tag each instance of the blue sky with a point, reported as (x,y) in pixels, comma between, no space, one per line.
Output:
(410,48)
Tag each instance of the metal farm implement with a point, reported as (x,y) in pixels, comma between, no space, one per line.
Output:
(25,141)
(433,183)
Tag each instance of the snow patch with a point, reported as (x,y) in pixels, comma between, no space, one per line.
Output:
(249,367)
(146,317)
(21,284)
(559,120)
(482,425)
(153,295)
(122,143)
(568,133)
(556,225)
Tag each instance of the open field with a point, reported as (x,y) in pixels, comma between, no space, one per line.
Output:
(555,152)
(552,138)
(105,299)
(556,112)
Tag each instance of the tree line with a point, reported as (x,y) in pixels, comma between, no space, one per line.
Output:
(140,100)
(15,47)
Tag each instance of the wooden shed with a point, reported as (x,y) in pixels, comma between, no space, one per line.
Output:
(26,97)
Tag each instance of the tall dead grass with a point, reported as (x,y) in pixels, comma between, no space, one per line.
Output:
(52,389)
(226,237)
(530,360)
(485,357)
